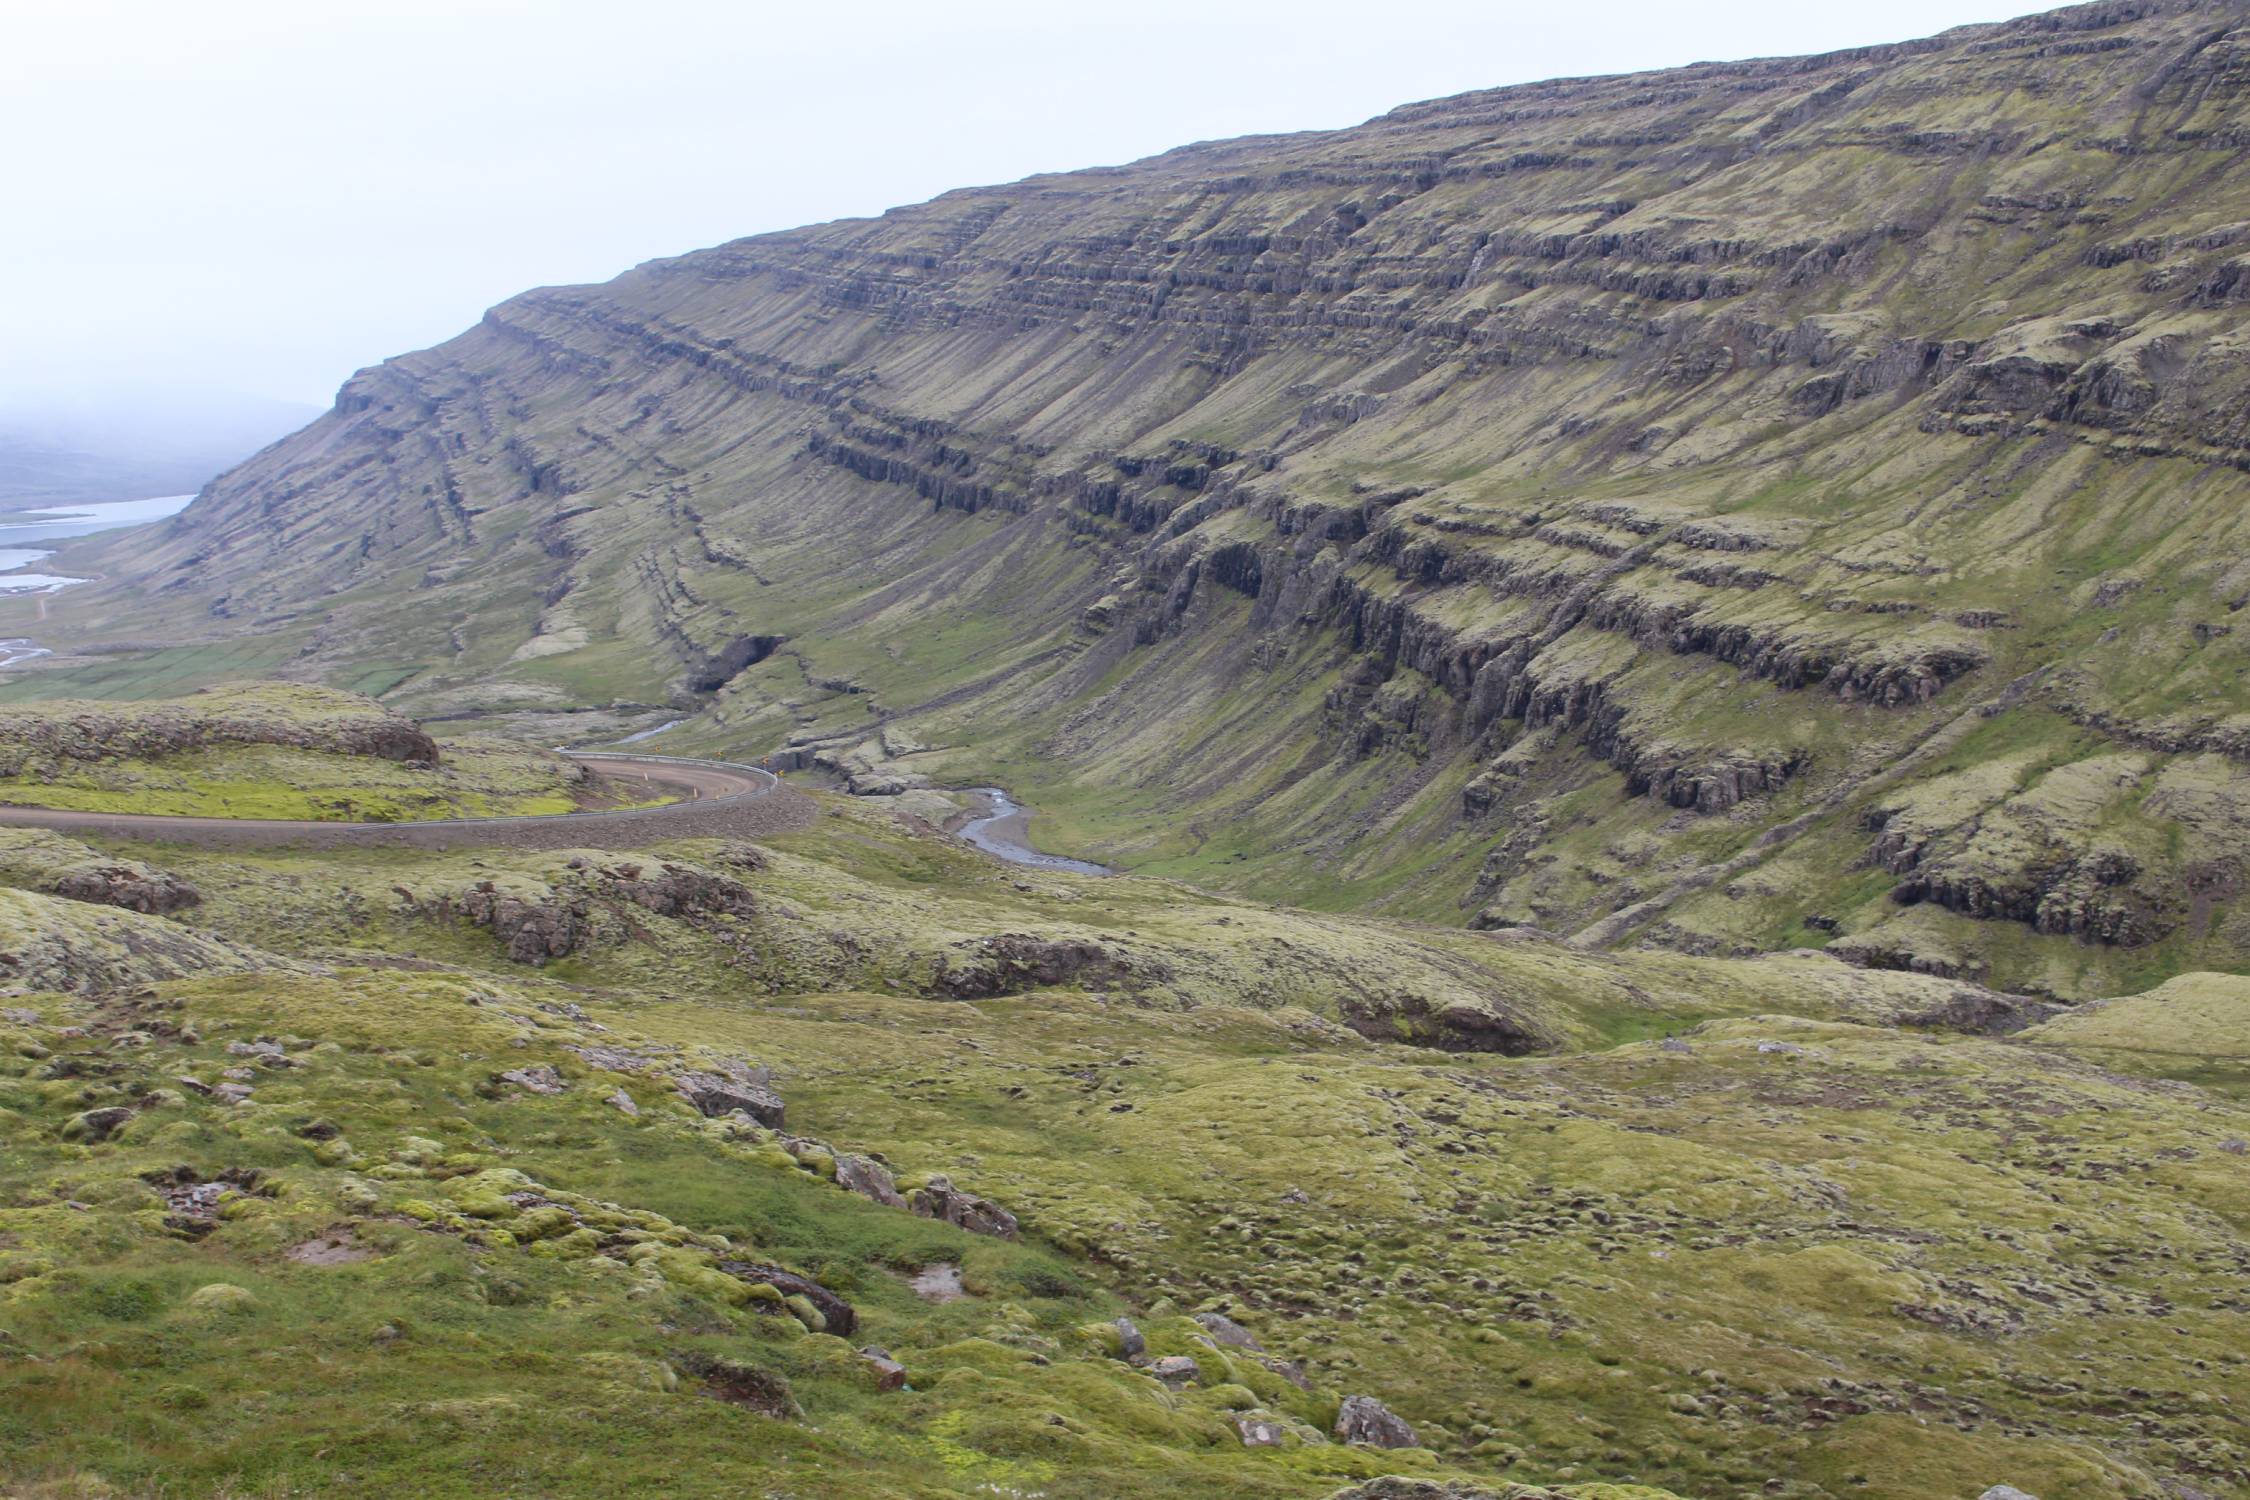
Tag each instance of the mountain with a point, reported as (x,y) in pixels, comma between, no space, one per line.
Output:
(129,442)
(1787,503)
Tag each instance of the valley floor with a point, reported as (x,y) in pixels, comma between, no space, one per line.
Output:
(594,1173)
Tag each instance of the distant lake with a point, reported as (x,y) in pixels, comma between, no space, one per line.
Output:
(19,529)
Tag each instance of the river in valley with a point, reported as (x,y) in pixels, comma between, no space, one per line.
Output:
(1001,826)
(22,533)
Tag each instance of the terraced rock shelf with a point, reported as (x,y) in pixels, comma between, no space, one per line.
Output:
(1658,661)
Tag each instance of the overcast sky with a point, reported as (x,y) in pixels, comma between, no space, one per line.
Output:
(264,195)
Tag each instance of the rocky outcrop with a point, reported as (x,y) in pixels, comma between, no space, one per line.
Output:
(586,904)
(135,887)
(1015,962)
(940,1199)
(837,1316)
(738,1086)
(36,741)
(1367,1422)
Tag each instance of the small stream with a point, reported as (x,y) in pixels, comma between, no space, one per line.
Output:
(649,734)
(1004,830)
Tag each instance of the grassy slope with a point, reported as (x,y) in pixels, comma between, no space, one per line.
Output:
(1843,1257)
(478,777)
(270,750)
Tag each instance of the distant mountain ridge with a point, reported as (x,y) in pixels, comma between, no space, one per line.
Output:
(1796,502)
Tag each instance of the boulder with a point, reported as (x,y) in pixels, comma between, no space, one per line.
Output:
(541,1079)
(718,1094)
(940,1199)
(1227,1331)
(1370,1424)
(836,1315)
(1259,1432)
(889,1374)
(1130,1343)
(93,1125)
(1176,1370)
(869,1179)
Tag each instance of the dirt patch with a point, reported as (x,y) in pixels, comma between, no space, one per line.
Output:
(335,1247)
(739,1384)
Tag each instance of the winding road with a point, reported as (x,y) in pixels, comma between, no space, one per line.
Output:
(719,799)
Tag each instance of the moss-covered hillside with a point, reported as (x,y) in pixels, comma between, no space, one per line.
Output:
(1795,502)
(336,1182)
(272,750)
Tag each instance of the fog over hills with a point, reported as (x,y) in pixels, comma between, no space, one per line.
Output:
(125,442)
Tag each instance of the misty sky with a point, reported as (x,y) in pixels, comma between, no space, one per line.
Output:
(263,195)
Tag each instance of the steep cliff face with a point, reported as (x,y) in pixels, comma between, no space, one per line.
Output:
(1773,503)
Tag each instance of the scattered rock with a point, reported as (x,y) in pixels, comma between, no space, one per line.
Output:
(889,1374)
(939,1199)
(95,1125)
(740,1087)
(837,1316)
(616,1059)
(1370,1424)
(2005,1492)
(1176,1370)
(1227,1331)
(1291,1371)
(869,1179)
(623,1103)
(1130,1343)
(232,1093)
(1259,1432)
(541,1079)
